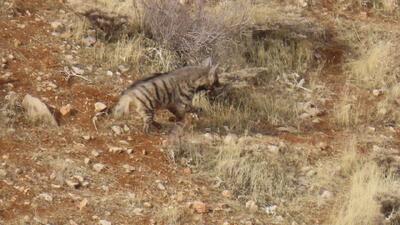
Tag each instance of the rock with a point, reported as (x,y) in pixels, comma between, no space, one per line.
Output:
(138,211)
(72,183)
(123,69)
(77,70)
(199,207)
(305,116)
(66,109)
(227,194)
(89,41)
(303,3)
(104,222)
(252,206)
(86,161)
(99,107)
(126,128)
(115,149)
(377,92)
(98,167)
(36,110)
(57,26)
(273,149)
(110,73)
(231,139)
(311,173)
(3,173)
(128,168)
(11,57)
(326,194)
(323,145)
(46,197)
(371,129)
(147,205)
(95,153)
(86,137)
(117,129)
(161,186)
(271,210)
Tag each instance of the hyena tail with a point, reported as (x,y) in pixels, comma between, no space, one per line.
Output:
(122,107)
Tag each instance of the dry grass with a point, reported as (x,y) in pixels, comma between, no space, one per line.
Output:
(361,207)
(174,215)
(246,109)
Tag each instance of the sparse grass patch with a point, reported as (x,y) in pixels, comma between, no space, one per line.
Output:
(361,207)
(174,215)
(247,109)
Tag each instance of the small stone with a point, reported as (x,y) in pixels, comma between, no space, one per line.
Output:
(123,69)
(377,92)
(104,222)
(271,210)
(95,153)
(305,116)
(11,57)
(147,205)
(128,168)
(72,183)
(138,211)
(371,129)
(273,149)
(115,149)
(227,194)
(98,167)
(86,161)
(117,129)
(57,26)
(46,196)
(251,205)
(86,137)
(66,109)
(160,186)
(89,41)
(323,145)
(326,194)
(99,107)
(311,173)
(110,73)
(77,70)
(3,173)
(129,151)
(126,128)
(199,207)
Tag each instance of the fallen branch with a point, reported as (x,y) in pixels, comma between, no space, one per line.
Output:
(68,74)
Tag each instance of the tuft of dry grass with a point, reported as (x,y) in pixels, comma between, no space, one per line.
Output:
(174,215)
(361,207)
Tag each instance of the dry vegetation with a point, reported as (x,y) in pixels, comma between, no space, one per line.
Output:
(303,131)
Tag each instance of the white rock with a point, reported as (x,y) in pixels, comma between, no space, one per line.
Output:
(160,186)
(273,149)
(36,110)
(147,205)
(371,129)
(199,207)
(89,41)
(138,211)
(72,183)
(271,210)
(110,73)
(99,106)
(115,149)
(377,92)
(326,194)
(66,109)
(98,167)
(128,168)
(123,68)
(251,205)
(104,222)
(126,128)
(95,153)
(117,129)
(86,161)
(46,196)
(3,173)
(77,70)
(57,26)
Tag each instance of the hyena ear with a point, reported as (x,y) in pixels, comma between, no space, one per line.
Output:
(207,62)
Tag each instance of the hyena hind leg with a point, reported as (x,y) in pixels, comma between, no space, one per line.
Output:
(148,120)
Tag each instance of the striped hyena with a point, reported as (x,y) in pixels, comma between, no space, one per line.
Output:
(173,91)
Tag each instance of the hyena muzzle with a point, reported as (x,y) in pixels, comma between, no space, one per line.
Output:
(173,91)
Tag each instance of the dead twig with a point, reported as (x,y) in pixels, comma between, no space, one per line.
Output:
(69,73)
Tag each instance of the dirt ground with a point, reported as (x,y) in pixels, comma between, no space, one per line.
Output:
(38,163)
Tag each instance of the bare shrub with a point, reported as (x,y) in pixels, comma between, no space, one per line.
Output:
(193,34)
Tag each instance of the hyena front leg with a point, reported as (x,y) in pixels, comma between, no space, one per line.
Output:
(148,119)
(178,111)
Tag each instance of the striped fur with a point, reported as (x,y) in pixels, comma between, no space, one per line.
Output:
(173,91)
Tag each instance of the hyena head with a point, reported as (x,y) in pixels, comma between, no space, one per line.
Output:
(208,81)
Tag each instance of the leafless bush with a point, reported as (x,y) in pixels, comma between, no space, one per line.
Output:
(192,32)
